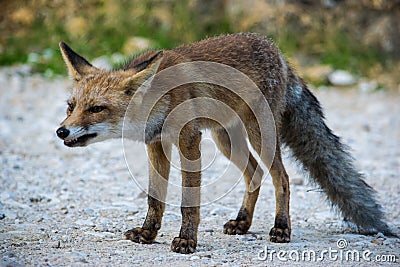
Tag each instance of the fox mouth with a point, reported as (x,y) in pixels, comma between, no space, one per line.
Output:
(79,141)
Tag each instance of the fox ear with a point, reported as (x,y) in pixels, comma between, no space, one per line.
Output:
(149,68)
(77,65)
(142,62)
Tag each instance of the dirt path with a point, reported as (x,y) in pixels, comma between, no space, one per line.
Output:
(61,206)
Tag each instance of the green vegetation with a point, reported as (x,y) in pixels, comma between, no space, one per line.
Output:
(102,27)
(336,48)
(103,30)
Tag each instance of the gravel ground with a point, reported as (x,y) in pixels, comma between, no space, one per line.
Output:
(62,206)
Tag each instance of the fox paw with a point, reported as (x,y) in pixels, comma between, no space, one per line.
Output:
(184,246)
(278,235)
(236,227)
(140,235)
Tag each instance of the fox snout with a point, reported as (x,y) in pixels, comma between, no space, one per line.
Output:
(77,137)
(62,132)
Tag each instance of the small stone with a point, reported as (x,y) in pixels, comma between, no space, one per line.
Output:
(341,78)
(102,62)
(89,211)
(100,228)
(206,260)
(367,86)
(160,258)
(10,214)
(6,195)
(207,230)
(56,244)
(297,181)
(194,258)
(380,236)
(64,210)
(35,199)
(119,252)
(377,241)
(101,234)
(88,222)
(249,237)
(16,166)
(65,238)
(366,127)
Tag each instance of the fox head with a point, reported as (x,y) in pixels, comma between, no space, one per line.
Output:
(100,98)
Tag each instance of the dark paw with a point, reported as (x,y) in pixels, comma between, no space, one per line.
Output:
(140,235)
(278,235)
(184,246)
(235,227)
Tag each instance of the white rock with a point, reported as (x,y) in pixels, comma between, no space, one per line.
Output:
(5,195)
(194,258)
(102,62)
(88,222)
(367,86)
(297,181)
(341,78)
(101,234)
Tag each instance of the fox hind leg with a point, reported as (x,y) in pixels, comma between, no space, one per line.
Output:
(281,231)
(240,155)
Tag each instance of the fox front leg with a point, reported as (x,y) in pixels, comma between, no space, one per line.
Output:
(159,167)
(189,146)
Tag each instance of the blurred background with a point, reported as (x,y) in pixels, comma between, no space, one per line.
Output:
(361,37)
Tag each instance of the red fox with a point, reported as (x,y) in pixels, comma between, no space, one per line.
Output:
(101,98)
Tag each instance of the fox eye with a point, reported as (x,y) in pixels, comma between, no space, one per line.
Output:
(96,109)
(129,92)
(71,107)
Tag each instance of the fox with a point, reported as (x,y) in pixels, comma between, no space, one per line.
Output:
(101,99)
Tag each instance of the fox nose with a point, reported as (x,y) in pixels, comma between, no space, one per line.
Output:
(62,132)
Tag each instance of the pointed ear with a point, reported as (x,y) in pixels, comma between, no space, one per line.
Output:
(136,80)
(142,62)
(77,65)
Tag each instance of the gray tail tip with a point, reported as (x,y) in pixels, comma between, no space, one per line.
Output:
(386,232)
(389,233)
(383,229)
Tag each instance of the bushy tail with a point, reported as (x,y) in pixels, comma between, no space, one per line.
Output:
(327,160)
